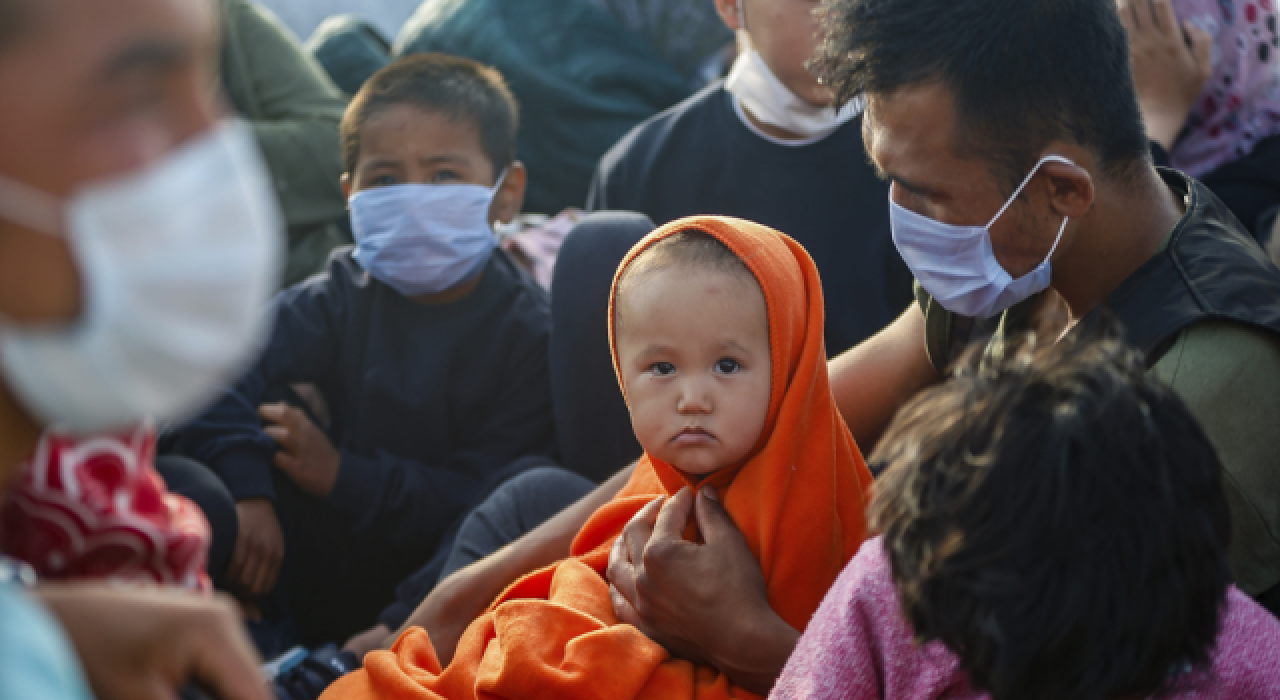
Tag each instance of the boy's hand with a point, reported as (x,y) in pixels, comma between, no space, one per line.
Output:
(255,561)
(306,454)
(1169,75)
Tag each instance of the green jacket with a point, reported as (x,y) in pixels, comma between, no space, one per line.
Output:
(295,111)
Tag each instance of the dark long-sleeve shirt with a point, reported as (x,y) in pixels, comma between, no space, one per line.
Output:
(428,403)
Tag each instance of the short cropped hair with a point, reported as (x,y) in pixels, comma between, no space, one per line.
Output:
(1058,521)
(1022,73)
(433,82)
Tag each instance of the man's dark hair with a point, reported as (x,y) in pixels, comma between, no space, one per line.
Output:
(450,85)
(1022,72)
(1058,521)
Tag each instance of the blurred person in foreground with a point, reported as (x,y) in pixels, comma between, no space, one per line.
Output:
(138,242)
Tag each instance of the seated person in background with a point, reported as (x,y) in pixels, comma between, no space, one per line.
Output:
(427,343)
(765,145)
(295,110)
(717,341)
(1051,526)
(1207,74)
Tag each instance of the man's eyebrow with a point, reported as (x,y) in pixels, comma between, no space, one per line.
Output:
(914,187)
(149,55)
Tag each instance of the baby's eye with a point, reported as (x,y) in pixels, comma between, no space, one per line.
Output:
(727,365)
(662,369)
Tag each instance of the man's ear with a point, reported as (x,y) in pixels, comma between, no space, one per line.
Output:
(346,185)
(509,199)
(1070,188)
(731,12)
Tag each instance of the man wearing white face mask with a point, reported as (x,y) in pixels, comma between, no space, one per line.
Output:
(138,241)
(766,145)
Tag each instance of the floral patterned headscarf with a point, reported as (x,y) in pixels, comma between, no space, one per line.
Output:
(1240,105)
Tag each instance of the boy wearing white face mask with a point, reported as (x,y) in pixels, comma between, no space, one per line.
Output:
(765,145)
(427,342)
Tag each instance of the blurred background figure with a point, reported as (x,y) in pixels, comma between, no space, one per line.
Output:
(1207,73)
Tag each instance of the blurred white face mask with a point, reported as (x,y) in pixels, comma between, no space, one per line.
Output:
(177,262)
(769,101)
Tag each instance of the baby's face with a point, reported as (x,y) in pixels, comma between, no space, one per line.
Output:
(693,347)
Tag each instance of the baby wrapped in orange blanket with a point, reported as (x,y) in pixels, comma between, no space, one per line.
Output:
(716,328)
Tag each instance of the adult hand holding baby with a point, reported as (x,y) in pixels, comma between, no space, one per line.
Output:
(1169,69)
(703,602)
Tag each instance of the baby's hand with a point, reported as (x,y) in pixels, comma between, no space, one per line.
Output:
(1169,75)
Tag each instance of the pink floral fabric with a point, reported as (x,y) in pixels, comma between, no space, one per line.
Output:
(859,646)
(1240,105)
(95,508)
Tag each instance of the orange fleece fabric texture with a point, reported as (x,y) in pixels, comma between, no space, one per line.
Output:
(799,500)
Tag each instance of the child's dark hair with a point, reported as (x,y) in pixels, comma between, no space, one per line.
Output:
(1058,521)
(690,247)
(433,82)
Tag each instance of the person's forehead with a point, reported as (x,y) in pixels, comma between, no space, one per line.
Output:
(77,59)
(407,131)
(910,127)
(911,138)
(88,35)
(683,294)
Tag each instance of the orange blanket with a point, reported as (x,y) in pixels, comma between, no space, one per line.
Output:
(799,501)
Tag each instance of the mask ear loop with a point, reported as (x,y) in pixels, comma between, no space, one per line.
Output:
(1016,192)
(1025,180)
(500,230)
(27,206)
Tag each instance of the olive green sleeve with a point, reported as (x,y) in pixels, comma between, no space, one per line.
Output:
(294,108)
(1229,376)
(937,329)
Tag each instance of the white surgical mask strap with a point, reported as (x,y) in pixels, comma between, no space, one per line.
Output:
(497,184)
(1025,180)
(30,207)
(1054,247)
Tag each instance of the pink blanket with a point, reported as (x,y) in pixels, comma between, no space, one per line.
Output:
(859,645)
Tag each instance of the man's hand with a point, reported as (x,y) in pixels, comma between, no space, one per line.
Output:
(255,561)
(1168,73)
(145,644)
(703,602)
(306,454)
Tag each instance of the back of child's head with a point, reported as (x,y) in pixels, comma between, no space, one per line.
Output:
(458,87)
(1057,519)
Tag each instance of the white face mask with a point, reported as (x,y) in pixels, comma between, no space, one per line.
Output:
(957,265)
(177,262)
(769,101)
(423,239)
